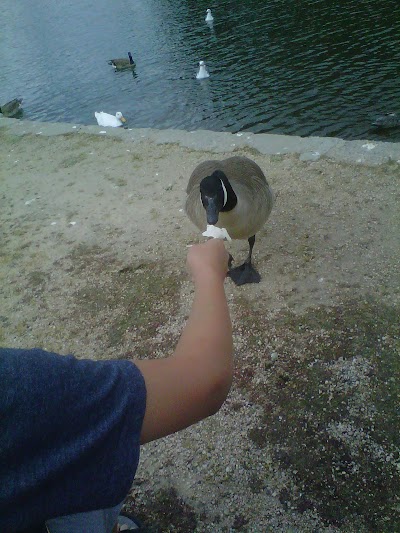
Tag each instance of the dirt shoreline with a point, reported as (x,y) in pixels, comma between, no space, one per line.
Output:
(92,262)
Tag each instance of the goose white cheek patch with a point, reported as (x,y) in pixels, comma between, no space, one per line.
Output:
(216,233)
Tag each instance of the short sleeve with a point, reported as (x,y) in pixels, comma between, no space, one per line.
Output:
(70,434)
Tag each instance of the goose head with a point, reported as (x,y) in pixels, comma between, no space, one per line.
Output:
(217,195)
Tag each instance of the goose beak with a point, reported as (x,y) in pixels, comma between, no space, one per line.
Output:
(212,211)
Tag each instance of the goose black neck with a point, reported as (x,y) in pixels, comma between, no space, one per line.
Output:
(217,195)
(231,198)
(130,58)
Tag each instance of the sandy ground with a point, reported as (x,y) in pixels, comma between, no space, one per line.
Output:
(92,262)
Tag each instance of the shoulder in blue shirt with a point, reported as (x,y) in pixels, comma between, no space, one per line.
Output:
(70,434)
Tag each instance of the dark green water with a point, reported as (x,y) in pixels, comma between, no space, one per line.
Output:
(301,67)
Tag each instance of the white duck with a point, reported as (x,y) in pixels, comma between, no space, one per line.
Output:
(209,17)
(105,119)
(202,73)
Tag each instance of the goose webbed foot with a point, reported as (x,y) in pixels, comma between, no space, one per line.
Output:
(245,273)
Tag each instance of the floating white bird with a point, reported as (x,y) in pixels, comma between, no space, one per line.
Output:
(104,119)
(202,73)
(209,17)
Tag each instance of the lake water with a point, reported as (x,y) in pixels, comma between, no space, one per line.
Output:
(301,67)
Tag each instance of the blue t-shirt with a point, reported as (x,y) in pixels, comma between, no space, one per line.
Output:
(69,434)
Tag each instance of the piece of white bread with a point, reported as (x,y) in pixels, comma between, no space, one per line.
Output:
(216,233)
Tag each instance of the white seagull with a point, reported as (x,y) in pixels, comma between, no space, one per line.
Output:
(209,17)
(202,73)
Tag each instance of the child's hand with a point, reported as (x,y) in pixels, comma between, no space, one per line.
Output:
(208,261)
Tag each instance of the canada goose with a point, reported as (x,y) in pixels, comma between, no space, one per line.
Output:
(104,119)
(202,72)
(209,17)
(11,108)
(232,194)
(122,63)
(389,120)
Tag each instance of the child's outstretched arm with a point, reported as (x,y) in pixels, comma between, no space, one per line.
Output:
(193,383)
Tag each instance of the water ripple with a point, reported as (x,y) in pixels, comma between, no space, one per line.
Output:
(301,67)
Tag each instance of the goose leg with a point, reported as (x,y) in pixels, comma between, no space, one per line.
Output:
(245,273)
